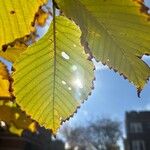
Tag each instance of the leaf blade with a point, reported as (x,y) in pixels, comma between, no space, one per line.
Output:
(48,99)
(12,53)
(20,16)
(117,34)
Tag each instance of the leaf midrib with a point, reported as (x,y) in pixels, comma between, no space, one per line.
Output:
(54,39)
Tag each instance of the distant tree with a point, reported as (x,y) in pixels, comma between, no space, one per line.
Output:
(75,137)
(102,134)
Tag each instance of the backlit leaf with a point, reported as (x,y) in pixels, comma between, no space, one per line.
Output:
(16,18)
(117,32)
(53,76)
(12,53)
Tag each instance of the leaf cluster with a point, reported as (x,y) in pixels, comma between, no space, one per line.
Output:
(52,76)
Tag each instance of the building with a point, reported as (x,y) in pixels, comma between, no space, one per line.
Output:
(137,130)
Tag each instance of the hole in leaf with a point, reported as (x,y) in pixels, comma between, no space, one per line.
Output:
(64,55)
(63,82)
(12,12)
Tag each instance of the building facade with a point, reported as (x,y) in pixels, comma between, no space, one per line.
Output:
(137,130)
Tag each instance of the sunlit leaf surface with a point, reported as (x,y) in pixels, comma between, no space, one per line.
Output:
(117,32)
(12,53)
(16,18)
(53,76)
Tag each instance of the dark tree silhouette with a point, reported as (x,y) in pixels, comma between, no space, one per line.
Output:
(40,140)
(102,134)
(43,137)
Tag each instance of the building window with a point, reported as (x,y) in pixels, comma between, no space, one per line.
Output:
(136,127)
(138,145)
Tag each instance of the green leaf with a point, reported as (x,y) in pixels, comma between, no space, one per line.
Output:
(16,18)
(53,76)
(117,33)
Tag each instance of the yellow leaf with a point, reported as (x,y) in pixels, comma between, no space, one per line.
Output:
(16,19)
(14,130)
(12,53)
(4,82)
(41,17)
